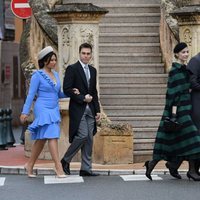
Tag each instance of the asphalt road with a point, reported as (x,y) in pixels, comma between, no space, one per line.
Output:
(19,187)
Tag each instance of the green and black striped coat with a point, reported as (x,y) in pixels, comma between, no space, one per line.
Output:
(184,144)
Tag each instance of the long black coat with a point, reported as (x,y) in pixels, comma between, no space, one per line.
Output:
(75,78)
(194,68)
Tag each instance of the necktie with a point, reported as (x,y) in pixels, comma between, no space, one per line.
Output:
(86,69)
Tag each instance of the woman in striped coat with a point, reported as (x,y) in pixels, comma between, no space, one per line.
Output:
(184,144)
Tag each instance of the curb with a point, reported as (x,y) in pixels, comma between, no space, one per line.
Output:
(18,170)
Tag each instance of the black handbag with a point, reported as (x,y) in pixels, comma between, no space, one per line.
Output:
(171,124)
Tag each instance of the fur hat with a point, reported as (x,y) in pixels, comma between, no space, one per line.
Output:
(44,52)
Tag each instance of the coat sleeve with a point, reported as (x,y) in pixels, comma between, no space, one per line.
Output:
(193,67)
(34,85)
(95,95)
(173,93)
(68,86)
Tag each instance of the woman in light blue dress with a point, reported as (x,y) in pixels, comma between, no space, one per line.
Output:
(46,88)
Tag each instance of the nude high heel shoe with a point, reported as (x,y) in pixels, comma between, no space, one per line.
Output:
(30,175)
(59,175)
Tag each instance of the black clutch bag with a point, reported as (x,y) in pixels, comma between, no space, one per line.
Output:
(171,124)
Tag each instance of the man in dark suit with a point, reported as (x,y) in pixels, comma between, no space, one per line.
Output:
(84,110)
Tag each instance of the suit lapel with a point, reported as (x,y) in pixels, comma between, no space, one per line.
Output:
(91,73)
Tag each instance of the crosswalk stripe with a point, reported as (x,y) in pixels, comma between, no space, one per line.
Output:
(68,179)
(139,177)
(2,181)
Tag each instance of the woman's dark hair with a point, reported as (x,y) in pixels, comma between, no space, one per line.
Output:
(46,59)
(175,56)
(85,45)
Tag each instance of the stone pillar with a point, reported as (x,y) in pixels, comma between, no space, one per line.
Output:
(63,142)
(77,23)
(188,18)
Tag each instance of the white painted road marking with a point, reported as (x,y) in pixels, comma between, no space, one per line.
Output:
(68,179)
(139,177)
(2,181)
(21,5)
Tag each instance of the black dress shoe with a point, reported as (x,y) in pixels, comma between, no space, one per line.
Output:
(65,167)
(86,173)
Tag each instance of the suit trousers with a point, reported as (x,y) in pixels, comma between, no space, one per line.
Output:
(84,141)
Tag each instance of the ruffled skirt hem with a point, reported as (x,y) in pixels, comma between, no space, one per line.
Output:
(47,131)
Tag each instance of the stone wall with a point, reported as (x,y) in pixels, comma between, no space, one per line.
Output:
(113,144)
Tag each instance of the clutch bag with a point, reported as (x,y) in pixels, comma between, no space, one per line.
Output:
(171,125)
